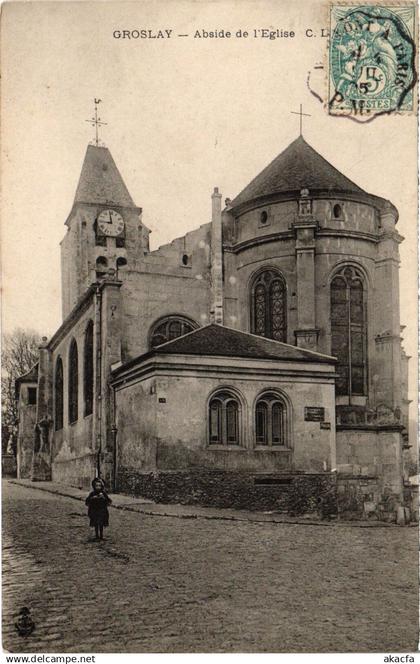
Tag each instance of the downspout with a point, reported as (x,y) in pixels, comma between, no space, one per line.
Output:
(98,328)
(114,432)
(216,258)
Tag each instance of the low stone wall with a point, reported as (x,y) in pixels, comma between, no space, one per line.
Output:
(361,497)
(291,493)
(411,499)
(358,497)
(77,472)
(8,465)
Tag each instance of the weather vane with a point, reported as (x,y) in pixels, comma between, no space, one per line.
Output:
(301,116)
(96,121)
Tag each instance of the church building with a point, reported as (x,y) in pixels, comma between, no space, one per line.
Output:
(255,362)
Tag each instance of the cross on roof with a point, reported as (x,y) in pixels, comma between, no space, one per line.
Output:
(96,122)
(300,112)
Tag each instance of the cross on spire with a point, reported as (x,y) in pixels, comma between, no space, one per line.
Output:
(96,121)
(300,112)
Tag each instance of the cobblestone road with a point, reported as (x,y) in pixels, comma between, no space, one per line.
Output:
(176,585)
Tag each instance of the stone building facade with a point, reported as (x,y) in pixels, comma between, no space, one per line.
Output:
(256,361)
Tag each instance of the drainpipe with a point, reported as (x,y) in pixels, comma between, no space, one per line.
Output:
(216,257)
(98,328)
(114,432)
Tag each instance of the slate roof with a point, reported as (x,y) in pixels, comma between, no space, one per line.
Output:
(224,341)
(100,180)
(299,166)
(30,377)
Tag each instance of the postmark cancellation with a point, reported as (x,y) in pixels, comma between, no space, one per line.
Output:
(372,58)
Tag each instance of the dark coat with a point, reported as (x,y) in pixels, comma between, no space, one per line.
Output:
(98,508)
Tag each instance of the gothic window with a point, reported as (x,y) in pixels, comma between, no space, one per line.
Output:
(270,421)
(170,328)
(348,331)
(88,369)
(58,394)
(224,419)
(269,306)
(73,382)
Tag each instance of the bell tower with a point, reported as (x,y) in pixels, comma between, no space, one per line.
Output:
(104,228)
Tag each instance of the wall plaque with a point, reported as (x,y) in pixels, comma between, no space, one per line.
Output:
(314,414)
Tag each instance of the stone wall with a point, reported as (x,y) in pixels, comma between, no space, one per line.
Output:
(370,475)
(411,499)
(163,286)
(26,433)
(362,498)
(76,471)
(8,465)
(74,441)
(294,494)
(160,429)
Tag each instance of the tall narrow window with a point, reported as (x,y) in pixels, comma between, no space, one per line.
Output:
(58,395)
(348,331)
(88,369)
(277,423)
(261,420)
(224,419)
(232,422)
(73,382)
(269,306)
(270,421)
(216,421)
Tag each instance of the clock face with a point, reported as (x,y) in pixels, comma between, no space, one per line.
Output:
(110,223)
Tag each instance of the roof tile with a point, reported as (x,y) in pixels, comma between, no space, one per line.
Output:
(218,340)
(100,180)
(299,166)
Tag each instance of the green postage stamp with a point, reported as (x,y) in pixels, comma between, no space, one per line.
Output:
(372,59)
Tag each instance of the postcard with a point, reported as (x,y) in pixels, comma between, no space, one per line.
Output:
(209,341)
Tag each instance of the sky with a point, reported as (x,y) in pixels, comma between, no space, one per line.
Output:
(183,115)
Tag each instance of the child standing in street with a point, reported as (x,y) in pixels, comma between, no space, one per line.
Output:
(97,502)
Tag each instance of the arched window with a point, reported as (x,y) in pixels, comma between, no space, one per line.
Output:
(270,420)
(73,382)
(269,306)
(121,262)
(58,394)
(88,369)
(170,328)
(224,419)
(101,266)
(348,331)
(337,211)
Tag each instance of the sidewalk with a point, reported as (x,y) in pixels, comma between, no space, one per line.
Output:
(145,506)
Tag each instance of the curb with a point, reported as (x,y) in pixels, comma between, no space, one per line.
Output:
(212,517)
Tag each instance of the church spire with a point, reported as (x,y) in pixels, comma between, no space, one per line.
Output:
(100,180)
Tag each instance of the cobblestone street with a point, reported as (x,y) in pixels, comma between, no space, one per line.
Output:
(194,585)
